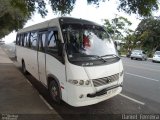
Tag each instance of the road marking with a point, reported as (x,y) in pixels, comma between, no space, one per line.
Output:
(142,77)
(132,99)
(143,68)
(48,105)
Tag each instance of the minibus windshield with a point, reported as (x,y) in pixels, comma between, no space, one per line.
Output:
(84,42)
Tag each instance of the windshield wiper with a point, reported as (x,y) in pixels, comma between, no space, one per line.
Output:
(101,58)
(95,56)
(114,55)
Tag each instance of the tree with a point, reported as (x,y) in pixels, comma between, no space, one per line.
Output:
(130,42)
(15,13)
(148,34)
(118,27)
(141,7)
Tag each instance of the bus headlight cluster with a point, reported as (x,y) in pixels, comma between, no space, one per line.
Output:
(87,82)
(80,82)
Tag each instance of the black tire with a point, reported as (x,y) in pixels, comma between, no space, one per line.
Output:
(24,68)
(54,91)
(144,59)
(131,58)
(153,61)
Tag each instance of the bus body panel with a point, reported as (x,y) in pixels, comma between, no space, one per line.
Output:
(75,92)
(41,65)
(30,58)
(97,72)
(57,69)
(89,73)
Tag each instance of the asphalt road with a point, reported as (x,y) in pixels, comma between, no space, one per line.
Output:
(142,82)
(140,95)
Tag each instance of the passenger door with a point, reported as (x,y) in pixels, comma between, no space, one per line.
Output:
(42,56)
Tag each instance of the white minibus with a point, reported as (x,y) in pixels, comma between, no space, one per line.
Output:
(75,59)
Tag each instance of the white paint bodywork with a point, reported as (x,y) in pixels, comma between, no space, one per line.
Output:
(88,73)
(42,65)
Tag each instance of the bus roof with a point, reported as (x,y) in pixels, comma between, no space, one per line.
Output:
(55,22)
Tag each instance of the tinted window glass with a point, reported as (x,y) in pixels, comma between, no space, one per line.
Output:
(42,38)
(33,40)
(17,40)
(25,40)
(28,40)
(20,40)
(52,42)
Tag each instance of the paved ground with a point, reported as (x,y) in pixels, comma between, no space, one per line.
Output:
(4,58)
(17,96)
(140,95)
(142,82)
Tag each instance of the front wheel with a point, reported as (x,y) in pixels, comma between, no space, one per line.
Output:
(54,91)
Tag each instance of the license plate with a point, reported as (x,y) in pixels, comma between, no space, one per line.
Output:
(111,91)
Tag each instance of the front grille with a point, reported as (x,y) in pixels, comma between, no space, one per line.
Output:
(106,80)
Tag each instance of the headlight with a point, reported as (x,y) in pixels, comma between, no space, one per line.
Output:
(74,82)
(87,82)
(80,82)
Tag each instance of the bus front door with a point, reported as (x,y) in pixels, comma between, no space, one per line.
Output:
(42,57)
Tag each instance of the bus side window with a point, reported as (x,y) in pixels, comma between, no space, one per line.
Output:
(52,42)
(21,40)
(17,40)
(28,41)
(41,43)
(33,40)
(25,40)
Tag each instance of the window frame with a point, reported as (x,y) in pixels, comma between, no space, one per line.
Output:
(40,33)
(58,35)
(30,42)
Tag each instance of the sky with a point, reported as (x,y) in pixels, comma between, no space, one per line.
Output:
(106,10)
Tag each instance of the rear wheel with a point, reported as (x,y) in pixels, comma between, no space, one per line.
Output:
(54,91)
(24,68)
(131,58)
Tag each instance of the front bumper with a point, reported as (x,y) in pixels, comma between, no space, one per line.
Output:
(156,59)
(104,91)
(90,98)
